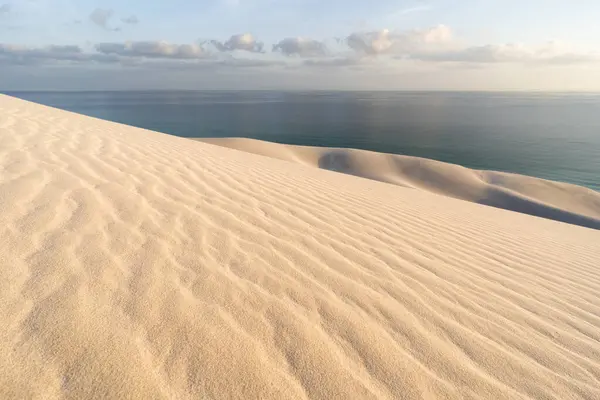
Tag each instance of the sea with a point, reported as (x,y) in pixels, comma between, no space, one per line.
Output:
(553,136)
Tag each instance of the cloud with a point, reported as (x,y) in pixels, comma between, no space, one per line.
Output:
(131,20)
(428,48)
(101,17)
(388,42)
(153,49)
(438,44)
(370,42)
(5,8)
(50,52)
(551,53)
(150,55)
(300,47)
(244,41)
(21,55)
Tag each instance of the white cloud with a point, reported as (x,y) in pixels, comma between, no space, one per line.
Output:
(370,42)
(145,55)
(388,42)
(438,44)
(153,49)
(244,41)
(301,47)
(5,8)
(433,48)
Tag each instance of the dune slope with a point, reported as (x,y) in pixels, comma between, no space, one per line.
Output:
(143,266)
(542,198)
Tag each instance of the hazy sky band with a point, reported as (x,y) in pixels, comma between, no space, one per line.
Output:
(300,44)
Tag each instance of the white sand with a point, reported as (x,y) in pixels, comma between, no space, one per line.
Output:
(554,200)
(135,265)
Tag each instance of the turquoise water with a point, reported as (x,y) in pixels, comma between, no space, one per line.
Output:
(552,136)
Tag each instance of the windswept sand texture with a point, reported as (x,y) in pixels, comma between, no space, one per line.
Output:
(547,199)
(136,265)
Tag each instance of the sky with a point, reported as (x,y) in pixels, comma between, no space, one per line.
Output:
(505,45)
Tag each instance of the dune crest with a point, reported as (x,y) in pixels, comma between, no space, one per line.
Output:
(144,266)
(542,198)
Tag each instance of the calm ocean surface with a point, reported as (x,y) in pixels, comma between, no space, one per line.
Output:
(552,136)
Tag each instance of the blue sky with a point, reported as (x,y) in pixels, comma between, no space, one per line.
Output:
(300,44)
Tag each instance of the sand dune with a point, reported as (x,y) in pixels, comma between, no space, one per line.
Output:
(542,198)
(136,265)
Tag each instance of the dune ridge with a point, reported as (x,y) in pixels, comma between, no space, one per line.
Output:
(558,201)
(144,266)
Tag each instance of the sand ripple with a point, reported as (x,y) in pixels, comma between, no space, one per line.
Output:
(557,201)
(138,265)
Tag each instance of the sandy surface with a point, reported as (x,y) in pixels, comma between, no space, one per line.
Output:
(547,199)
(135,265)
